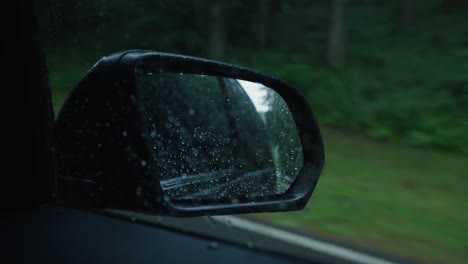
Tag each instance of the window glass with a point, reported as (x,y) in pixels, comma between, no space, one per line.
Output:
(387,81)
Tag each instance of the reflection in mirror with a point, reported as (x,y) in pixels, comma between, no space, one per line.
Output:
(215,137)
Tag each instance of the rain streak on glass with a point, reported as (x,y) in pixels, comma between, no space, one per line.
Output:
(217,137)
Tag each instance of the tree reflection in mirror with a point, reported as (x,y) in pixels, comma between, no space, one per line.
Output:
(215,137)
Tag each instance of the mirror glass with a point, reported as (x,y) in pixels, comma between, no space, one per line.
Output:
(215,137)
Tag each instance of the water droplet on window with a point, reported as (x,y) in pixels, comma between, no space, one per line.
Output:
(213,245)
(133,218)
(124,133)
(143,163)
(191,112)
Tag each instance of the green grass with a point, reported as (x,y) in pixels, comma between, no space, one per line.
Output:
(395,199)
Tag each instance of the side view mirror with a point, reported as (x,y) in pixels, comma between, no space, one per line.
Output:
(183,136)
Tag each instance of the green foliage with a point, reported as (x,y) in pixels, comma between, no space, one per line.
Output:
(386,104)
(411,86)
(405,84)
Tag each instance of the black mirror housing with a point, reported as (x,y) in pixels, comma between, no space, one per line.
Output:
(104,149)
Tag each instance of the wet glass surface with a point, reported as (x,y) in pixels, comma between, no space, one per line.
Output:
(216,137)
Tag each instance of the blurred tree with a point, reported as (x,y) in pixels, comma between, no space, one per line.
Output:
(450,4)
(407,13)
(336,45)
(200,15)
(283,139)
(263,23)
(217,37)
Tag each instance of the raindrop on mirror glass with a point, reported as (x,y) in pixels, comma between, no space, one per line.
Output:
(213,245)
(250,244)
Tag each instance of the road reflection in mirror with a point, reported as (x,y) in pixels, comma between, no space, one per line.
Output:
(215,137)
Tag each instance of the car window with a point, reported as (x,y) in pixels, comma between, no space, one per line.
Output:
(387,81)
